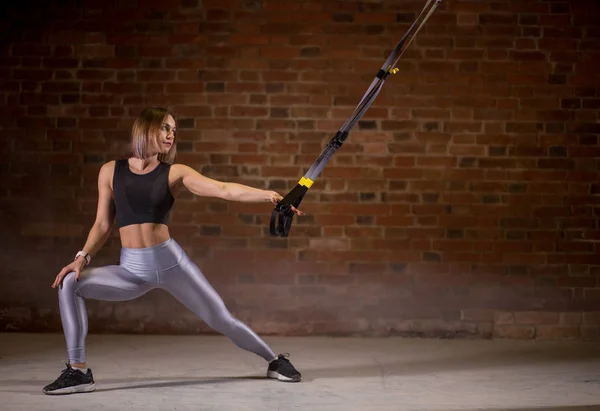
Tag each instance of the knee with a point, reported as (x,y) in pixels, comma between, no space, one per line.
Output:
(69,285)
(223,322)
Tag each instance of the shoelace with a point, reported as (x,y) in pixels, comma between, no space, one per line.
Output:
(64,374)
(284,363)
(67,371)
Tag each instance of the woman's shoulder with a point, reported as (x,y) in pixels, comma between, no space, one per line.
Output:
(179,167)
(179,171)
(109,165)
(107,169)
(176,168)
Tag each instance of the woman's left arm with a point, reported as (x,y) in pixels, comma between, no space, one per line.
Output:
(201,185)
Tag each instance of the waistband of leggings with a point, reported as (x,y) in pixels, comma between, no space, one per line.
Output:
(161,256)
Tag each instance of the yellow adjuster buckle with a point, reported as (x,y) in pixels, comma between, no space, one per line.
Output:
(306,182)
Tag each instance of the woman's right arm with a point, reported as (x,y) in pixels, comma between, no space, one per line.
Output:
(100,231)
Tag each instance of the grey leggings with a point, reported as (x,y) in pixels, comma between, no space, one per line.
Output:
(140,270)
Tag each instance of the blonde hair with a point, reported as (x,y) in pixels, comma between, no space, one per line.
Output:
(145,132)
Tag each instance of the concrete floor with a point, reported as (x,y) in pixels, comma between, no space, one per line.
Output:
(210,373)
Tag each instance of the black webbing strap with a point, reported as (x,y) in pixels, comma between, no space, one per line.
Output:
(282,215)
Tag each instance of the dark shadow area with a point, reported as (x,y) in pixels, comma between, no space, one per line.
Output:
(105,385)
(179,383)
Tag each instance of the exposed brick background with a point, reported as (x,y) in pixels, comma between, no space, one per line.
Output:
(465,203)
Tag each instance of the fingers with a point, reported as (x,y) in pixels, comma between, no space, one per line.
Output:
(298,212)
(275,198)
(58,278)
(58,281)
(63,273)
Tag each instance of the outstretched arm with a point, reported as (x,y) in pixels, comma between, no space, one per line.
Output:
(201,185)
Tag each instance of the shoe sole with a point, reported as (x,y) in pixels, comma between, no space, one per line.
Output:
(275,375)
(73,390)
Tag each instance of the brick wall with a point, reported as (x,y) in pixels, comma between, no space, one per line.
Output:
(465,203)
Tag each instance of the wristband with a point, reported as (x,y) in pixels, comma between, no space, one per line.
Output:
(85,255)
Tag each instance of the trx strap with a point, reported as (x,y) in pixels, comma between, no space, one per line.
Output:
(282,215)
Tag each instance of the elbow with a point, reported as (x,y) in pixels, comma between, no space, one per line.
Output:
(222,190)
(104,227)
(226,192)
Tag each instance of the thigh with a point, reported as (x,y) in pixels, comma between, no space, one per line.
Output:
(108,283)
(189,286)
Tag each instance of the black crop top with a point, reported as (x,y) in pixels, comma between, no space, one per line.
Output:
(141,198)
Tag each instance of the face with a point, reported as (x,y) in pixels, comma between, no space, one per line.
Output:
(166,137)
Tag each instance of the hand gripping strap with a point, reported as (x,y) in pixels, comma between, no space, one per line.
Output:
(282,215)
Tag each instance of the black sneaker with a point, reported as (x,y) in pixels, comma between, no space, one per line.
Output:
(283,370)
(71,381)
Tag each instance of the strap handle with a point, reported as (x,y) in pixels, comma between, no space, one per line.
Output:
(282,215)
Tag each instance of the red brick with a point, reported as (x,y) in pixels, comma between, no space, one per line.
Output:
(454,175)
(514,332)
(504,318)
(591,318)
(554,333)
(536,317)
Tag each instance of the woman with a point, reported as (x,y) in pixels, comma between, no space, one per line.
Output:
(137,191)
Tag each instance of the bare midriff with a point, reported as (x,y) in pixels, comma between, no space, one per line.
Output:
(143,235)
